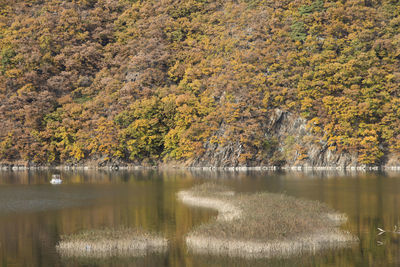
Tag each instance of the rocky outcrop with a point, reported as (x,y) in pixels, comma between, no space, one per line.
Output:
(217,155)
(302,148)
(289,143)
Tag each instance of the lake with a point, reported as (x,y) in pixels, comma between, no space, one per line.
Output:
(34,213)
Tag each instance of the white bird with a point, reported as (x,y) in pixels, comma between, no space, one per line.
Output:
(56,179)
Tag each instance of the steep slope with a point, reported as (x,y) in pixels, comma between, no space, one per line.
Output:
(200,82)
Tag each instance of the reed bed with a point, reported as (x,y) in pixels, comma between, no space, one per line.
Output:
(104,243)
(263,224)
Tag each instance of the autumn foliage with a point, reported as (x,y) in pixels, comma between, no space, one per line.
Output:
(156,80)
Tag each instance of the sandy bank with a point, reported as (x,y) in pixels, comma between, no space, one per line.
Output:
(226,211)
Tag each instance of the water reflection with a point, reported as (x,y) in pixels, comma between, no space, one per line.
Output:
(33,213)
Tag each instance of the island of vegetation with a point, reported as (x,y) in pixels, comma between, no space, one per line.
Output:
(263,224)
(200,82)
(105,243)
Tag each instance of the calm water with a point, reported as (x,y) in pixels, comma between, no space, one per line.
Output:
(33,213)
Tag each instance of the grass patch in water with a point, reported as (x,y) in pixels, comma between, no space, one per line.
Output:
(263,224)
(103,243)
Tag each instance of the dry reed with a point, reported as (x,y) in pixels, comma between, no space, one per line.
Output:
(263,224)
(122,242)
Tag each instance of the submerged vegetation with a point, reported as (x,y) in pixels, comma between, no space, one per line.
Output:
(123,242)
(263,224)
(145,81)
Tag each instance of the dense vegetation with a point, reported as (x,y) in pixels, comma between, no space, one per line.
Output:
(155,80)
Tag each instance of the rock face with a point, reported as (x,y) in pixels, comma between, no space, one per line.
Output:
(302,147)
(288,143)
(217,155)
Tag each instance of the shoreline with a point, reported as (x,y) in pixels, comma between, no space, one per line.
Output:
(301,168)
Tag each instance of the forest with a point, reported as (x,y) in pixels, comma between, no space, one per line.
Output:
(149,81)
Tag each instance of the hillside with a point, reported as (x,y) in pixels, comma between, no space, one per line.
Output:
(200,82)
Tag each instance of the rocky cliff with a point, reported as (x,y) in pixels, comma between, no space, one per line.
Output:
(288,143)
